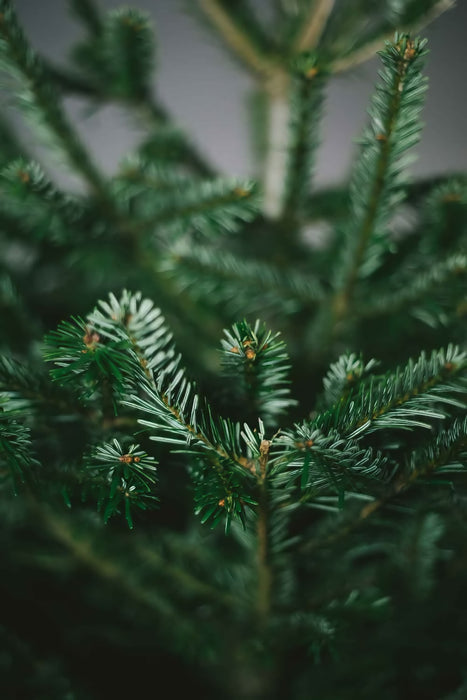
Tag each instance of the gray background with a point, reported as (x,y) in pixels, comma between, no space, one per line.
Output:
(207,92)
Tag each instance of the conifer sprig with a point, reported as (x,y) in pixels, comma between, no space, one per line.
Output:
(16,451)
(20,381)
(255,361)
(378,181)
(34,200)
(123,477)
(413,396)
(164,199)
(351,48)
(254,285)
(17,454)
(327,452)
(446,453)
(307,92)
(37,97)
(125,345)
(443,283)
(325,460)
(85,362)
(343,376)
(118,54)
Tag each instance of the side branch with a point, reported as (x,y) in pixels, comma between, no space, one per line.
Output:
(403,484)
(15,49)
(236,39)
(314,26)
(364,53)
(378,155)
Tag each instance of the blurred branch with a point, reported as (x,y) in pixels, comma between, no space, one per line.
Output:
(237,39)
(368,51)
(314,26)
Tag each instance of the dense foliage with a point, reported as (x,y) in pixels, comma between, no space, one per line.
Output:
(233,456)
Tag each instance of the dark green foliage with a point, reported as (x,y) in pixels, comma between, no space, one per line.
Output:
(15,450)
(255,362)
(306,112)
(118,56)
(121,477)
(33,200)
(280,517)
(36,95)
(394,128)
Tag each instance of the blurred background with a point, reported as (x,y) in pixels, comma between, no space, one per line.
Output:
(208,93)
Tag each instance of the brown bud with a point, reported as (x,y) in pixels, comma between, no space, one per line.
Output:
(410,51)
(241,192)
(91,338)
(311,73)
(23,176)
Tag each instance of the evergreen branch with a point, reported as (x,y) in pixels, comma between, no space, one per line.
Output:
(151,113)
(168,143)
(86,363)
(368,50)
(123,477)
(313,26)
(442,281)
(33,199)
(332,201)
(446,453)
(21,381)
(123,347)
(256,362)
(177,415)
(39,95)
(378,180)
(16,451)
(183,203)
(224,277)
(343,376)
(139,52)
(127,53)
(325,452)
(401,399)
(119,58)
(238,39)
(324,461)
(445,216)
(306,108)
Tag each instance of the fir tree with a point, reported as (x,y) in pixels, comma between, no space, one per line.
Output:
(232,462)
